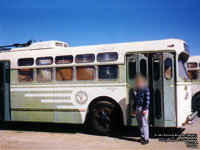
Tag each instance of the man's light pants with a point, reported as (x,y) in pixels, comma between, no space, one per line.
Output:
(142,123)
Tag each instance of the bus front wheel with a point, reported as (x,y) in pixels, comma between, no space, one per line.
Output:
(103,117)
(197,104)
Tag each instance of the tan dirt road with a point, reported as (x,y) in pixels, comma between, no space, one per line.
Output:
(59,136)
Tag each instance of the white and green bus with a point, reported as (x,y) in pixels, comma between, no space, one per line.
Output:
(51,82)
(193,67)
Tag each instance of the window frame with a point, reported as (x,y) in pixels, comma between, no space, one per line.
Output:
(198,75)
(146,67)
(36,62)
(192,63)
(93,55)
(63,56)
(52,75)
(171,68)
(107,53)
(25,58)
(73,73)
(181,64)
(95,74)
(135,69)
(33,70)
(108,79)
(159,71)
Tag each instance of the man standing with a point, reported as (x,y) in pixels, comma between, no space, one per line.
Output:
(141,108)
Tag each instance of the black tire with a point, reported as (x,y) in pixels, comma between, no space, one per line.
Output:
(103,117)
(197,104)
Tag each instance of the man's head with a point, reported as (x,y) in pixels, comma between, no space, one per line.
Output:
(140,82)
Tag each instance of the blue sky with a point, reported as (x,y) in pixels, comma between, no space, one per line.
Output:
(89,22)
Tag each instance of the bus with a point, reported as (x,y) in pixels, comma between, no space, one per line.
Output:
(193,67)
(51,82)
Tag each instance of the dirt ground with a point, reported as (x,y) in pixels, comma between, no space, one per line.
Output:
(60,136)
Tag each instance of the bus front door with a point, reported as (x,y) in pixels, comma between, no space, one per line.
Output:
(162,113)
(159,70)
(137,64)
(4,91)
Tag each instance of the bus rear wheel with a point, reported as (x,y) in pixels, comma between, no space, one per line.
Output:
(103,117)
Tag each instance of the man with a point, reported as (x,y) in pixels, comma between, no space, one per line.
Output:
(141,108)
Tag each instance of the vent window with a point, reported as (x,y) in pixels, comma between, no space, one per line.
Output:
(64,59)
(44,61)
(86,58)
(103,57)
(25,62)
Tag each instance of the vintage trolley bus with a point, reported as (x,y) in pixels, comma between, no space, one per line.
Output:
(51,82)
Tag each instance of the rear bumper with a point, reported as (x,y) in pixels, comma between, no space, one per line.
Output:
(192,118)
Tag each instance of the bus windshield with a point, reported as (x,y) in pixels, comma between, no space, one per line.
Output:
(182,70)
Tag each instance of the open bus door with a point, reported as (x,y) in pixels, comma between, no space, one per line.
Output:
(136,64)
(4,91)
(163,90)
(158,68)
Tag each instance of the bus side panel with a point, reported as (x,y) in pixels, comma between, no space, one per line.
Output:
(63,106)
(26,105)
(76,113)
(75,110)
(183,102)
(32,116)
(195,87)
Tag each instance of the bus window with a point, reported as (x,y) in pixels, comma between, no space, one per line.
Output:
(25,75)
(25,62)
(102,57)
(168,68)
(64,59)
(182,71)
(64,74)
(132,68)
(143,67)
(44,61)
(86,58)
(157,104)
(192,65)
(156,69)
(182,58)
(44,74)
(108,72)
(85,73)
(193,74)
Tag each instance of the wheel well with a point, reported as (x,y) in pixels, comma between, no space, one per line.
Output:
(194,100)
(108,99)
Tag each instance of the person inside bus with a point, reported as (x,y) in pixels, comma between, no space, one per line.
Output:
(141,108)
(168,69)
(168,73)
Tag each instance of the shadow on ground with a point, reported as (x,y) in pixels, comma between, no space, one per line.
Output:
(125,133)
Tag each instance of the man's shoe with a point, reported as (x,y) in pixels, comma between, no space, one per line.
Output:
(144,142)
